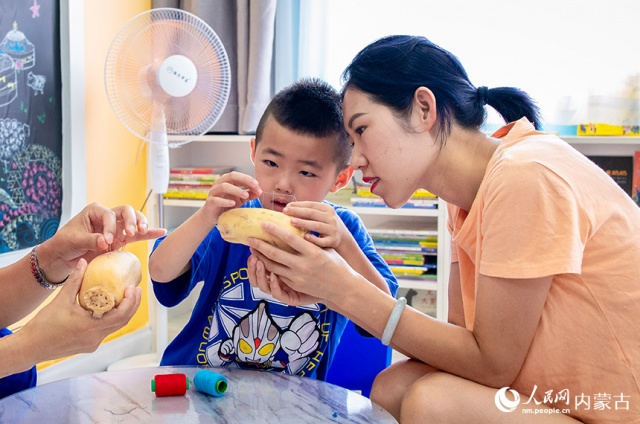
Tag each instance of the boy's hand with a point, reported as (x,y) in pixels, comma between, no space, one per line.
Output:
(228,192)
(322,219)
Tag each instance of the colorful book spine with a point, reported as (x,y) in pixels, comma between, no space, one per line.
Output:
(206,171)
(387,248)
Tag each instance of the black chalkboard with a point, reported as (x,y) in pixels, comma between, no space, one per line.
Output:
(30,122)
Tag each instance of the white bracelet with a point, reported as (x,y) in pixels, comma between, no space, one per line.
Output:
(393,321)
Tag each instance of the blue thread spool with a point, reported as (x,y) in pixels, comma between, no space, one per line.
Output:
(210,382)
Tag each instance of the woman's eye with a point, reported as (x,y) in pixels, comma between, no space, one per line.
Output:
(359,130)
(307,174)
(270,163)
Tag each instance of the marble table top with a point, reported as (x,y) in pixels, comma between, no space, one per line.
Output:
(252,397)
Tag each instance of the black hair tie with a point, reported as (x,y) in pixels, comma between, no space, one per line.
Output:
(483,95)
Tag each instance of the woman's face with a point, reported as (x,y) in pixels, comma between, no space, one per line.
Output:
(392,159)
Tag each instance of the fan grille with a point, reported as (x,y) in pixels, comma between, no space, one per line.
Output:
(137,52)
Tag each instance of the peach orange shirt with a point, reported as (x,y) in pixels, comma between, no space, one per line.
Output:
(545,209)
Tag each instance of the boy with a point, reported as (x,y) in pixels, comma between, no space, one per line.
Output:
(300,152)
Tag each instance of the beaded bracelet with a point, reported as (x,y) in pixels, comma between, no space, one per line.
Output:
(393,321)
(38,275)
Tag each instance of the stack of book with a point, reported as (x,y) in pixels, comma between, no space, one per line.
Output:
(421,199)
(410,254)
(193,183)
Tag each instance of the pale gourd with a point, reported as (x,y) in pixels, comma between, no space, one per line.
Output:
(105,280)
(238,225)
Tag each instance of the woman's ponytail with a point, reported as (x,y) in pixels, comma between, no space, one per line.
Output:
(512,104)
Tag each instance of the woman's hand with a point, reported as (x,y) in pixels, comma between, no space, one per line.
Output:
(320,218)
(89,234)
(63,328)
(313,271)
(270,283)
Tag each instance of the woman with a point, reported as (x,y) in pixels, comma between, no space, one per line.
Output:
(62,328)
(544,294)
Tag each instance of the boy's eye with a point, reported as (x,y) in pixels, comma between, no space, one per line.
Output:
(307,174)
(270,163)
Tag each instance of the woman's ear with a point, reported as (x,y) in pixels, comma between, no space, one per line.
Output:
(342,179)
(424,106)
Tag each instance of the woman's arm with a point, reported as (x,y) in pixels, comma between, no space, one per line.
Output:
(507,312)
(20,293)
(507,315)
(456,309)
(63,328)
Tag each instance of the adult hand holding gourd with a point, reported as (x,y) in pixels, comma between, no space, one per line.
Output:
(324,232)
(63,327)
(310,273)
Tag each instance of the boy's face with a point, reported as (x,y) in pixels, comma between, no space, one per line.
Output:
(290,164)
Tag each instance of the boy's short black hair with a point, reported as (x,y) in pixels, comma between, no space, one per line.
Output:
(310,107)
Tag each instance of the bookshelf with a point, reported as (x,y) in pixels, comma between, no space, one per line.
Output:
(218,150)
(234,149)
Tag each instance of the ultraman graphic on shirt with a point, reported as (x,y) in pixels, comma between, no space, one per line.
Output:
(259,338)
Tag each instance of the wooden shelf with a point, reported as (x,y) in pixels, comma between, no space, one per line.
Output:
(189,203)
(601,140)
(395,212)
(405,283)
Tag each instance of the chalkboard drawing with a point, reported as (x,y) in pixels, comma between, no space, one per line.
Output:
(21,50)
(36,82)
(35,10)
(8,80)
(13,135)
(30,206)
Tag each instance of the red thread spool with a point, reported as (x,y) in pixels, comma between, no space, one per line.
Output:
(170,384)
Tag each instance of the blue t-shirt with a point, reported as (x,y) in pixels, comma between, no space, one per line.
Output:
(16,382)
(236,325)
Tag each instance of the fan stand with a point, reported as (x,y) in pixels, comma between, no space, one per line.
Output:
(160,55)
(158,174)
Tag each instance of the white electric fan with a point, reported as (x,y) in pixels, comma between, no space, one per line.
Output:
(166,74)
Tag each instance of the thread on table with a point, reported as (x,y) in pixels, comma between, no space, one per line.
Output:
(170,384)
(265,194)
(210,382)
